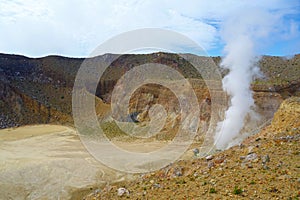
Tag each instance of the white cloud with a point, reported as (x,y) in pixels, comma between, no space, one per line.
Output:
(75,28)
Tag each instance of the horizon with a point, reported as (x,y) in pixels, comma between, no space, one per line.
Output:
(74,57)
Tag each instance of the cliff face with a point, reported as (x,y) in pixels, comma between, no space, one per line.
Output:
(18,108)
(40,90)
(33,92)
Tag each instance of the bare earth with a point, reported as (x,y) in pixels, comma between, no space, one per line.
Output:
(47,162)
(50,162)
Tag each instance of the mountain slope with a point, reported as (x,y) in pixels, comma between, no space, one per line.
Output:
(39,90)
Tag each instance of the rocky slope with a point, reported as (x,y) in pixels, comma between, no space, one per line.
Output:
(264,166)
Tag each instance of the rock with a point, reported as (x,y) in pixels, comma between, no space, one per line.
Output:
(97,191)
(223,163)
(122,191)
(196,151)
(251,157)
(219,160)
(265,167)
(242,157)
(156,185)
(250,149)
(210,157)
(265,159)
(210,164)
(249,165)
(286,138)
(213,181)
(257,139)
(273,189)
(279,164)
(178,171)
(243,165)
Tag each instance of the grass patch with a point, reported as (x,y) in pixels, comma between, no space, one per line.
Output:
(212,190)
(112,130)
(252,182)
(182,181)
(237,190)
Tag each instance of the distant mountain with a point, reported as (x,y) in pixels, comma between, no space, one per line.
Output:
(39,90)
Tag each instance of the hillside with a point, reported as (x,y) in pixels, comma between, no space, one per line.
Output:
(264,166)
(39,90)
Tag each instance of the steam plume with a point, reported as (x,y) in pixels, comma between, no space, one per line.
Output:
(241,34)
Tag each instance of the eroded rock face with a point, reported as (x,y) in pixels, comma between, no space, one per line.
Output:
(285,125)
(18,108)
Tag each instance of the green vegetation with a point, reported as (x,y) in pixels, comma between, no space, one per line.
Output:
(112,130)
(181,181)
(237,190)
(252,182)
(212,190)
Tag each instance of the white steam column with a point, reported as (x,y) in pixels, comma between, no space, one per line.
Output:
(241,33)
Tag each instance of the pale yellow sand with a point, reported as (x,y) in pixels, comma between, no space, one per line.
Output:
(50,162)
(30,131)
(47,162)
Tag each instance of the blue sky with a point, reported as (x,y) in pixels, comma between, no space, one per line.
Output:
(75,28)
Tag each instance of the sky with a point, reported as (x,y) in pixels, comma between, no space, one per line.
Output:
(76,27)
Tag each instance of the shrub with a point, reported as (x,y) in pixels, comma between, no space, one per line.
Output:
(212,190)
(237,190)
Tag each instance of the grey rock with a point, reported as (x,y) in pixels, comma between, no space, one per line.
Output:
(97,191)
(122,191)
(210,164)
(250,149)
(249,165)
(265,159)
(196,151)
(266,167)
(242,157)
(251,157)
(210,157)
(178,171)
